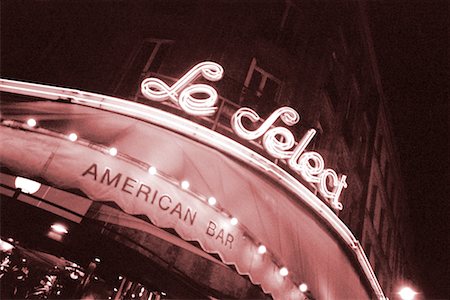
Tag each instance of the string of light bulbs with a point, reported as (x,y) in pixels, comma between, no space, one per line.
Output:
(32,125)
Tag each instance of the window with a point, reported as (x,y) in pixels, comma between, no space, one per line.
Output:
(351,112)
(378,145)
(343,39)
(388,244)
(289,27)
(372,260)
(363,151)
(380,276)
(315,143)
(381,224)
(146,58)
(348,122)
(331,84)
(261,89)
(377,214)
(386,172)
(393,251)
(396,205)
(372,201)
(367,246)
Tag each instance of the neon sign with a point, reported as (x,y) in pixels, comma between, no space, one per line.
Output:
(203,134)
(277,141)
(182,94)
(310,164)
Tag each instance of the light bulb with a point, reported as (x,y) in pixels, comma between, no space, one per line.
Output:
(407,293)
(212,201)
(262,249)
(284,271)
(303,287)
(113,151)
(152,170)
(73,137)
(31,122)
(185,185)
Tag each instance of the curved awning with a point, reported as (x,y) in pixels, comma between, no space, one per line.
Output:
(271,208)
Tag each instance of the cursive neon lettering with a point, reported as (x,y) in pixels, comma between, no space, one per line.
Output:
(182,94)
(279,142)
(288,115)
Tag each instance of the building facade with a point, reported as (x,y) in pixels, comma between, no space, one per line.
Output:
(314,57)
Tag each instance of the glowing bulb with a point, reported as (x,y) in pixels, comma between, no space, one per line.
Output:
(284,271)
(31,122)
(27,185)
(233,221)
(185,185)
(152,170)
(407,293)
(97,260)
(303,287)
(212,201)
(113,151)
(74,276)
(120,277)
(73,137)
(262,249)
(59,228)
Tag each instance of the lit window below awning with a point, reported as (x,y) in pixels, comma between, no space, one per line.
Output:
(67,205)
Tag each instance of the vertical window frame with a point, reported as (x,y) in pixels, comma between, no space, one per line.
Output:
(264,76)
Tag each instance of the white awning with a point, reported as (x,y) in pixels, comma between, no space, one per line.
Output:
(267,214)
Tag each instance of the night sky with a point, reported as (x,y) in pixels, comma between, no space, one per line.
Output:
(411,43)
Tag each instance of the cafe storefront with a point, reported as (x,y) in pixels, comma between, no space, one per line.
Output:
(134,202)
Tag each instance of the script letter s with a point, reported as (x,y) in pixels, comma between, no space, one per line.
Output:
(275,146)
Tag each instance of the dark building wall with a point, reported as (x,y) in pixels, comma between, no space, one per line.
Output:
(315,56)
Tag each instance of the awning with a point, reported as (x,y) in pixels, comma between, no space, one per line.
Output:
(267,214)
